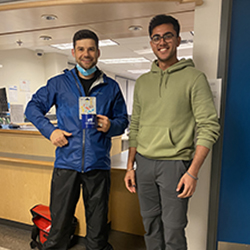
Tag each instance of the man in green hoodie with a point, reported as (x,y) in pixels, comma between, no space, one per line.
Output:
(171,103)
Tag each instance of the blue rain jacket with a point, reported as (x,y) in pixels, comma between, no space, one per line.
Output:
(87,149)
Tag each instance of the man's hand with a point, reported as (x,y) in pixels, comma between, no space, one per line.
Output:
(129,178)
(59,137)
(189,186)
(187,181)
(103,123)
(130,181)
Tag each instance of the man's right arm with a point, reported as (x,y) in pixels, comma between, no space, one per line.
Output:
(133,131)
(130,175)
(38,106)
(59,137)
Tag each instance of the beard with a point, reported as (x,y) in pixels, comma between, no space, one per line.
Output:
(87,66)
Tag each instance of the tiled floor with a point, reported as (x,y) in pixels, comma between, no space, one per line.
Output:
(15,238)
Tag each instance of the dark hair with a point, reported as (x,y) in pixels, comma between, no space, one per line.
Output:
(85,34)
(163,19)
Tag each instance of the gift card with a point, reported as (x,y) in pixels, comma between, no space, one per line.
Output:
(87,105)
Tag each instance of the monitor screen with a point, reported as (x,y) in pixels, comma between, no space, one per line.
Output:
(3,101)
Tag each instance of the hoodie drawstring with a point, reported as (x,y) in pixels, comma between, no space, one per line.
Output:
(161,81)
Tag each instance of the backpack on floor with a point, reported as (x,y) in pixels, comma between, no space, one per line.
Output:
(42,224)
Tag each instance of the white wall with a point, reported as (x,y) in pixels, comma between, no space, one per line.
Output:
(24,64)
(205,54)
(54,64)
(21,64)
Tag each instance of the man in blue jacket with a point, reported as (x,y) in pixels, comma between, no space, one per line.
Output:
(82,155)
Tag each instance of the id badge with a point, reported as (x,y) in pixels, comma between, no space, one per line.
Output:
(87,112)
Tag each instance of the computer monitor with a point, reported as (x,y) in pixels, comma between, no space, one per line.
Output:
(3,101)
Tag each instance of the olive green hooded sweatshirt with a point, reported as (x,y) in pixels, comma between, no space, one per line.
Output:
(169,107)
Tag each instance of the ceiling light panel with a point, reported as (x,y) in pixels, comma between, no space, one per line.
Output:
(186,46)
(138,71)
(185,57)
(102,43)
(124,60)
(107,42)
(143,51)
(62,46)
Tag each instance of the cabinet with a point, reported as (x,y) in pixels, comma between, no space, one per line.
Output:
(26,166)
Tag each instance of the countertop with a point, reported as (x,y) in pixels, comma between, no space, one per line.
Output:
(119,161)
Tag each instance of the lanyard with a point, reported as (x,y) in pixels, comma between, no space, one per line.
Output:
(77,84)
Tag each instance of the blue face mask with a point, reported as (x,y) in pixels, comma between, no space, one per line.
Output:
(86,72)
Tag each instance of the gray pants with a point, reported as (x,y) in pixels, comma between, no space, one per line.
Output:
(164,214)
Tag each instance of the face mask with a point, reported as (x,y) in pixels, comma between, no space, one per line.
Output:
(86,72)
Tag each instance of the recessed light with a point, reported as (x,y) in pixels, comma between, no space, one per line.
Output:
(49,17)
(45,38)
(1,65)
(134,28)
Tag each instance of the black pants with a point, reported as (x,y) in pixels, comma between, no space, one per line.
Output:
(65,191)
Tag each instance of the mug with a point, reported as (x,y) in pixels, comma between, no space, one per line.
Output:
(89,121)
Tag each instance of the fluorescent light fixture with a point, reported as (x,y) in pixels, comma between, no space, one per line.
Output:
(138,71)
(149,51)
(186,46)
(107,42)
(144,51)
(102,43)
(186,57)
(63,46)
(124,60)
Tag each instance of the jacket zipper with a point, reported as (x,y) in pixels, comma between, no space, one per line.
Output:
(80,92)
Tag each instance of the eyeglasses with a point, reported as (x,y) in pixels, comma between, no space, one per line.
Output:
(166,37)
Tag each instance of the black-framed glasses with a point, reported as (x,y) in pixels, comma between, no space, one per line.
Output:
(166,37)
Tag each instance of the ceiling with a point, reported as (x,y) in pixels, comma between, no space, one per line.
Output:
(21,21)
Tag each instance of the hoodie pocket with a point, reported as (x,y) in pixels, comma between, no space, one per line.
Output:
(155,141)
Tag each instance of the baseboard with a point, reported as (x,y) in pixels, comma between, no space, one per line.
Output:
(77,239)
(15,224)
(232,246)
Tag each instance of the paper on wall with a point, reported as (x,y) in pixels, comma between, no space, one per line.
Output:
(215,85)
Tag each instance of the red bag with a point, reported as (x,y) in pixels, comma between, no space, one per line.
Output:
(42,220)
(42,225)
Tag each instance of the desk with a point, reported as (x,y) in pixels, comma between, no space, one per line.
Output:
(124,206)
(26,166)
(119,161)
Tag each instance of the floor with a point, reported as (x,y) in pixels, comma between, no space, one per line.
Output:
(17,238)
(231,246)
